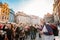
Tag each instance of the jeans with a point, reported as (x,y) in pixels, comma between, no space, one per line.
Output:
(33,36)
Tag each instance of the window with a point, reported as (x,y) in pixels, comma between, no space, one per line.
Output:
(7,18)
(2,17)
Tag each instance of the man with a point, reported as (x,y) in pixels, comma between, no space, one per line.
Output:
(9,31)
(55,30)
(18,29)
(46,31)
(27,31)
(33,31)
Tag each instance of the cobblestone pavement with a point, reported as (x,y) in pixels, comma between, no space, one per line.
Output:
(37,37)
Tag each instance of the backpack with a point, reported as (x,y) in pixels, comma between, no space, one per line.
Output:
(55,30)
(49,30)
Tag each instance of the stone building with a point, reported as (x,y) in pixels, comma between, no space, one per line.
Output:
(35,19)
(4,12)
(56,11)
(49,18)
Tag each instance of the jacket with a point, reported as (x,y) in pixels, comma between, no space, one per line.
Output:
(49,29)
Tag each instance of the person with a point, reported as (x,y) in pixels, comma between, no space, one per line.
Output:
(17,31)
(1,32)
(13,32)
(38,29)
(55,30)
(22,35)
(9,31)
(4,31)
(38,37)
(22,32)
(4,28)
(33,32)
(1,36)
(27,31)
(46,31)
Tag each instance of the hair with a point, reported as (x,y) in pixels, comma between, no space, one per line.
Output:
(11,25)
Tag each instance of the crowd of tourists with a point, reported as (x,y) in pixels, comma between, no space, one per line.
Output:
(46,31)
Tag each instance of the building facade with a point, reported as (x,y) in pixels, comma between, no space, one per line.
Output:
(35,19)
(21,17)
(4,12)
(49,18)
(11,16)
(56,11)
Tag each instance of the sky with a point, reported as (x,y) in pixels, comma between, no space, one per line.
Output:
(31,7)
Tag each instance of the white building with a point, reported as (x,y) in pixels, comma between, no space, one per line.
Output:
(22,18)
(35,19)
